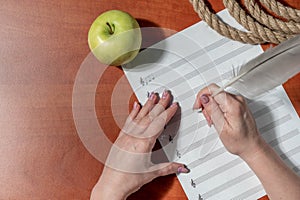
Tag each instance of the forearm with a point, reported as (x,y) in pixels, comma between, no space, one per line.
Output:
(105,189)
(279,181)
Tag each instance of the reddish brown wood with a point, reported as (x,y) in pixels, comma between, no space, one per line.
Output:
(43,44)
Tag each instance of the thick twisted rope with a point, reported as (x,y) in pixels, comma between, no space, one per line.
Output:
(224,29)
(289,27)
(258,31)
(281,10)
(252,25)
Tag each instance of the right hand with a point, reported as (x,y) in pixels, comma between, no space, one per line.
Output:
(232,120)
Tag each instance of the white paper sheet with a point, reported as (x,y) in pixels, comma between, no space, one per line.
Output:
(187,62)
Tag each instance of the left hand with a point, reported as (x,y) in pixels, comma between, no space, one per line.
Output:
(129,165)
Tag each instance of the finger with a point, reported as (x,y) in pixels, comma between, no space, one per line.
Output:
(227,101)
(207,90)
(165,116)
(135,110)
(240,99)
(214,111)
(152,100)
(161,105)
(158,124)
(169,113)
(202,97)
(132,127)
(164,169)
(197,103)
(207,117)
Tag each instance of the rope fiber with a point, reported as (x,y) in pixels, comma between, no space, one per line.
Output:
(261,26)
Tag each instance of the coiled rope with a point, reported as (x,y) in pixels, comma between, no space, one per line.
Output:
(262,27)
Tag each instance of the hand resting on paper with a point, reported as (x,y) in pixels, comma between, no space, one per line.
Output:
(128,166)
(125,172)
(237,130)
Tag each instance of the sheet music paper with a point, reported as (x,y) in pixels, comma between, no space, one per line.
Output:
(184,64)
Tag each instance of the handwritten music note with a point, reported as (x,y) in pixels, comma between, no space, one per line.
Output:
(178,154)
(199,197)
(147,80)
(193,183)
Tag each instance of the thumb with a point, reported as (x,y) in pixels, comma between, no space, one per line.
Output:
(164,169)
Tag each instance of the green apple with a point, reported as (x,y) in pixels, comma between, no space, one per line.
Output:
(115,37)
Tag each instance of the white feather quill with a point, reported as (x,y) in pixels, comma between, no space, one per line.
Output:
(268,70)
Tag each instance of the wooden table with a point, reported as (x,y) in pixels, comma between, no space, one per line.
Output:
(43,44)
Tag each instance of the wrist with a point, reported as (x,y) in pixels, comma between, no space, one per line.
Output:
(103,191)
(254,151)
(109,187)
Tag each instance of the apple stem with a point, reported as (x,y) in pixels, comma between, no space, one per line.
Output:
(111,28)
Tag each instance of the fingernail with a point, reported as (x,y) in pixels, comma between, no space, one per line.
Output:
(152,96)
(187,169)
(174,104)
(183,170)
(204,99)
(198,109)
(135,105)
(165,94)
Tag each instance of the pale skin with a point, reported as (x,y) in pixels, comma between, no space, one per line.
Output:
(237,130)
(142,128)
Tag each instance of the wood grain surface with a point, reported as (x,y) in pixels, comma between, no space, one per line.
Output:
(43,44)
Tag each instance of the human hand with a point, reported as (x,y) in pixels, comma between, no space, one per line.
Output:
(129,166)
(232,119)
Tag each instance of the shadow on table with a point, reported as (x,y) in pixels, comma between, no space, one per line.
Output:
(156,189)
(153,33)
